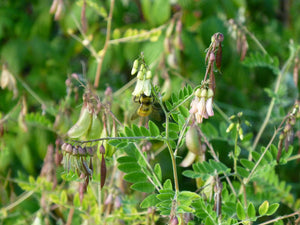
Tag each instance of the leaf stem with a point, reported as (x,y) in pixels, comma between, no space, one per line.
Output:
(108,30)
(282,217)
(121,138)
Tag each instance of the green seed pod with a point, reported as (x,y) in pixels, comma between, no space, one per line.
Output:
(188,159)
(192,140)
(95,128)
(82,125)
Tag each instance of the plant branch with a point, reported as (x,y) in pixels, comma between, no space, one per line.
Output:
(272,103)
(265,151)
(282,217)
(120,138)
(108,31)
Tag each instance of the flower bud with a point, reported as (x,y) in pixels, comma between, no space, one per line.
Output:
(203,93)
(229,128)
(148,74)
(210,93)
(69,148)
(135,67)
(198,92)
(140,75)
(64,146)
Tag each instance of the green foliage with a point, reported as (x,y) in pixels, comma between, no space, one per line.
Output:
(206,169)
(49,65)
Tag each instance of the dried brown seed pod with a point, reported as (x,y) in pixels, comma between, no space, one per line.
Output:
(102,149)
(219,57)
(103,171)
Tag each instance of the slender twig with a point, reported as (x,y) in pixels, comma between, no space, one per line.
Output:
(70,216)
(138,36)
(120,138)
(265,151)
(294,157)
(21,198)
(281,218)
(6,117)
(108,31)
(125,87)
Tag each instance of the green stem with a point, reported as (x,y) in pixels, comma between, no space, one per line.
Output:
(265,151)
(121,138)
(235,156)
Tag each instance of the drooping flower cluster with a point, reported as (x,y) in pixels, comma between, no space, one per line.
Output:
(143,84)
(202,104)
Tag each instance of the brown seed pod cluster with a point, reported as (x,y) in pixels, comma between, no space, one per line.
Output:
(78,159)
(287,134)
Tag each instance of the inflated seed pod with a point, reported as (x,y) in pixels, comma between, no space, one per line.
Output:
(95,128)
(82,125)
(192,140)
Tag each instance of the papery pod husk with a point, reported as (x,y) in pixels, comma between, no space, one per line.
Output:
(192,140)
(103,171)
(167,89)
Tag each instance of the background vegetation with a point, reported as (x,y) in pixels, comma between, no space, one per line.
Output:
(42,48)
